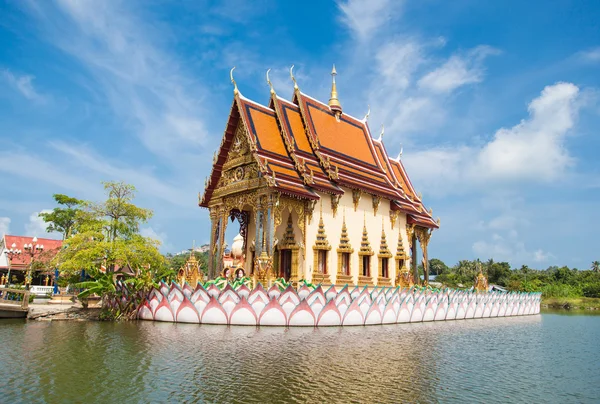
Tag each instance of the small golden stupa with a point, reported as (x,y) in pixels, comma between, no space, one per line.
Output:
(190,271)
(481,282)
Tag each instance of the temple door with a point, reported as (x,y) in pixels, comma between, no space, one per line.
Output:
(285,264)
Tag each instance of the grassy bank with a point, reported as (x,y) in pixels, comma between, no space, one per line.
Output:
(571,303)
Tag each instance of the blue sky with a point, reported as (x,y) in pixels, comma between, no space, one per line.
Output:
(495,104)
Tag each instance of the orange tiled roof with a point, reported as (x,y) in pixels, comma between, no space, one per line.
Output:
(292,129)
(305,148)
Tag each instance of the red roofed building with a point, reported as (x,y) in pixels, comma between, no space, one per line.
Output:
(19,262)
(315,194)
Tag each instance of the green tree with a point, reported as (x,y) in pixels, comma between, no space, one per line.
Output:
(466,269)
(107,238)
(121,217)
(62,219)
(498,272)
(596,266)
(437,266)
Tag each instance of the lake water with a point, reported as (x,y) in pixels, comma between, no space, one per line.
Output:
(546,358)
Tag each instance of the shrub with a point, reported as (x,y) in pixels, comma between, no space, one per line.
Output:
(560,290)
(591,290)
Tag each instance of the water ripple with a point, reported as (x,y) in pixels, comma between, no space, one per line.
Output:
(548,358)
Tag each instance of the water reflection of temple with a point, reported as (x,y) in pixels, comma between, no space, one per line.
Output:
(315,196)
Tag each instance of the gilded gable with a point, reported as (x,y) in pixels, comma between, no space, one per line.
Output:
(240,171)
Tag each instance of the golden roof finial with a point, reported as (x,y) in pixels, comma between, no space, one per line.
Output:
(381,134)
(293,78)
(400,154)
(235,89)
(334,103)
(269,83)
(368,113)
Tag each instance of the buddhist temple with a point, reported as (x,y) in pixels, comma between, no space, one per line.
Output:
(315,196)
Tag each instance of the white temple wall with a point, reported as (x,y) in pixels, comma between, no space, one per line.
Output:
(364,215)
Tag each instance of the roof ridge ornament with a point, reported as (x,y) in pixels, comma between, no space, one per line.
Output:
(381,134)
(334,103)
(293,78)
(367,114)
(269,83)
(235,88)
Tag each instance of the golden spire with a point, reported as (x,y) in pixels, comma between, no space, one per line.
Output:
(334,103)
(344,239)
(321,242)
(400,248)
(365,246)
(383,247)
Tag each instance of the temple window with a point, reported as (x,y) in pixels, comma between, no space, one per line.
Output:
(345,250)
(364,254)
(288,253)
(321,248)
(384,256)
(345,263)
(366,265)
(322,262)
(385,268)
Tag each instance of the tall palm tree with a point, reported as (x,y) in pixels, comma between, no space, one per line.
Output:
(596,266)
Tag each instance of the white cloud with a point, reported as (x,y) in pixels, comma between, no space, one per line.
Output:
(532,150)
(364,17)
(145,181)
(142,80)
(508,247)
(4,225)
(24,84)
(591,55)
(457,71)
(542,256)
(397,61)
(36,226)
(407,104)
(157,235)
(40,171)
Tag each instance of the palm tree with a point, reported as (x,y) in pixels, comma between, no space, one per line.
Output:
(596,266)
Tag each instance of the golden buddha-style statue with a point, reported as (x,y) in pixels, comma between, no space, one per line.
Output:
(404,278)
(263,272)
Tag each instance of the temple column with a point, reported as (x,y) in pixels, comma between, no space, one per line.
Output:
(212,248)
(221,242)
(270,230)
(259,234)
(413,258)
(424,234)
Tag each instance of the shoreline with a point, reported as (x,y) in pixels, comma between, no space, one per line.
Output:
(66,312)
(571,303)
(74,312)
